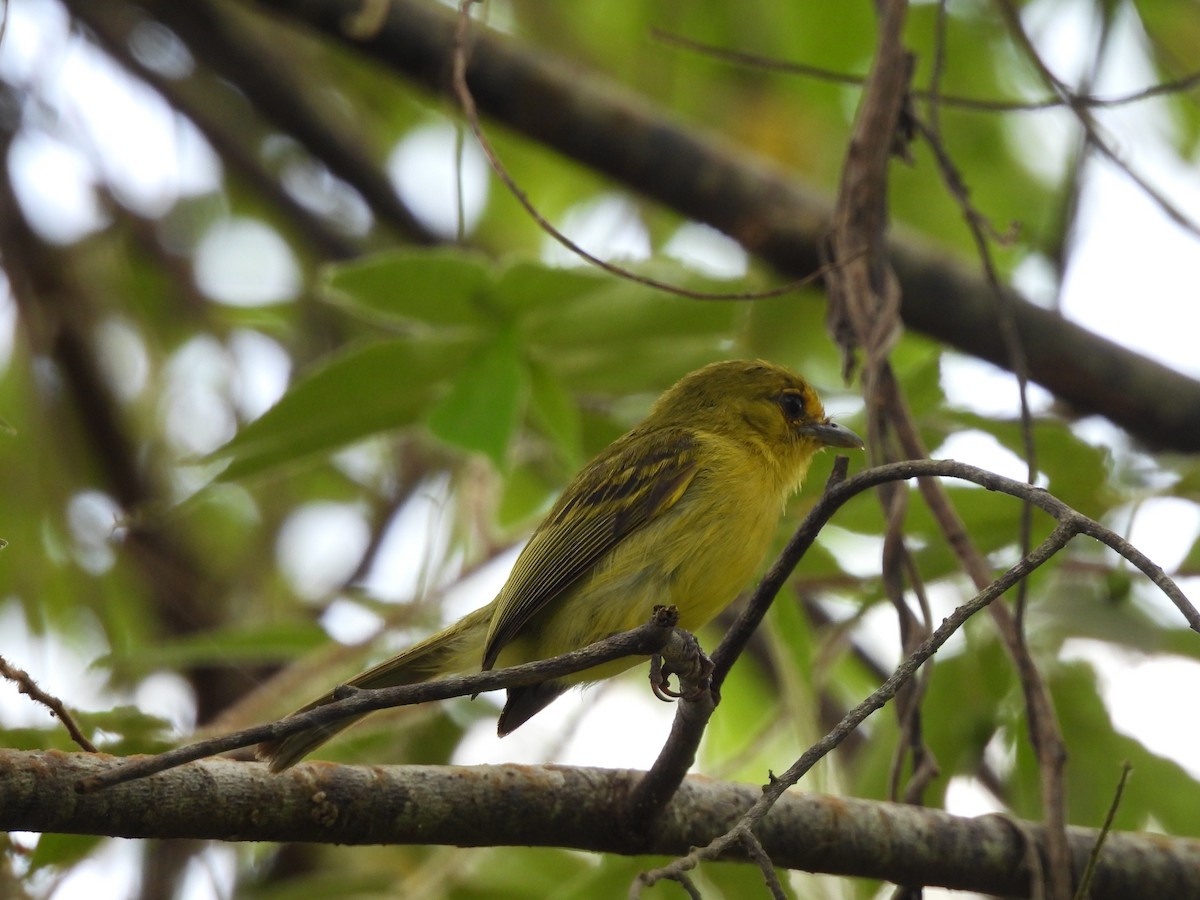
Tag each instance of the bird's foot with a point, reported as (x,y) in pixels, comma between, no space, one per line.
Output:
(684,658)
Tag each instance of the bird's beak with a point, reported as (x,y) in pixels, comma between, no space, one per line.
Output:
(832,434)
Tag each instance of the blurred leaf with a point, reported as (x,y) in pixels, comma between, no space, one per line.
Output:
(818,565)
(796,647)
(136,731)
(515,873)
(963,701)
(438,287)
(418,735)
(1172,28)
(481,411)
(918,365)
(790,330)
(526,288)
(51,737)
(358,392)
(620,312)
(1191,561)
(1159,791)
(1078,472)
(525,495)
(554,410)
(748,709)
(1079,608)
(62,850)
(352,878)
(1180,641)
(991,519)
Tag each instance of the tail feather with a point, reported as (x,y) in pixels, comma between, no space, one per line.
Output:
(454,649)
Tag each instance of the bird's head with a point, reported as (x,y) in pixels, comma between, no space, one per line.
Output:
(758,402)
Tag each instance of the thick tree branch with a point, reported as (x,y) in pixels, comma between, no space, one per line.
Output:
(563,807)
(641,146)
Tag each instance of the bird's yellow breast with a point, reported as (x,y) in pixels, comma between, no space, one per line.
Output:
(696,556)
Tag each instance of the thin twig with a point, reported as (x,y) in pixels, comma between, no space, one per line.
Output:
(754,849)
(689,887)
(642,641)
(1085,880)
(26,685)
(465,98)
(974,104)
(1044,730)
(1012,18)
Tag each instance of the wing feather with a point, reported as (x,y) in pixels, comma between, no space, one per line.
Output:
(633,482)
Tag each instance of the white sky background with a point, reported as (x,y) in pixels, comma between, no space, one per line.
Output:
(1128,255)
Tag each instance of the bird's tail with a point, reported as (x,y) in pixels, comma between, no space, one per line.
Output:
(454,649)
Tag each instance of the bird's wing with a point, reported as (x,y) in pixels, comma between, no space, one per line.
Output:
(633,482)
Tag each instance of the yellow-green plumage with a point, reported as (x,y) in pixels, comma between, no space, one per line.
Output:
(679,511)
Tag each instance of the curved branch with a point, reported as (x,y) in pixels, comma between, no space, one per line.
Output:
(668,770)
(878,698)
(26,685)
(838,494)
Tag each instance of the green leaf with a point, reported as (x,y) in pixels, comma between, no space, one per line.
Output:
(554,410)
(527,288)
(1078,473)
(134,730)
(51,737)
(62,850)
(622,312)
(1087,609)
(1159,791)
(362,391)
(481,411)
(918,365)
(749,708)
(524,496)
(992,520)
(441,287)
(973,683)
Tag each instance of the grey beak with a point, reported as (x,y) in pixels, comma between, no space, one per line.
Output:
(832,434)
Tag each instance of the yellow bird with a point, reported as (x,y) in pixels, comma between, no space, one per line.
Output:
(680,511)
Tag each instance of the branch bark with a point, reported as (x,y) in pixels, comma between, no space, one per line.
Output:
(562,807)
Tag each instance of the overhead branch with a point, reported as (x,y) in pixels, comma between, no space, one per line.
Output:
(764,208)
(269,78)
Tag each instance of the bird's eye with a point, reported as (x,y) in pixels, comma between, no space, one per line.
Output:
(792,406)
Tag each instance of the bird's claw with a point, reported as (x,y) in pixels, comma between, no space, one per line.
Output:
(660,680)
(694,676)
